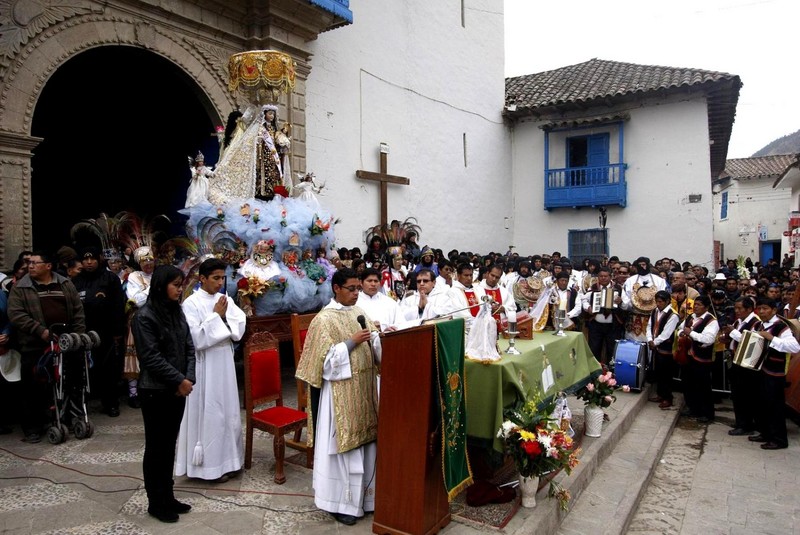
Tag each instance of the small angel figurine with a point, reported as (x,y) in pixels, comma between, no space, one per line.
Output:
(198,187)
(307,188)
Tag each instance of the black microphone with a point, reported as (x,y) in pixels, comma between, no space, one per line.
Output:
(362,321)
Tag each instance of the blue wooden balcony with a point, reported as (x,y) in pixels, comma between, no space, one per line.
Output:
(574,187)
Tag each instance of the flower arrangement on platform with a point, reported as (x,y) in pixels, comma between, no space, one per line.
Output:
(538,445)
(252,287)
(319,226)
(600,390)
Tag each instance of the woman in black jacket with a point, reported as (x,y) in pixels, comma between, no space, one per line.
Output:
(167,362)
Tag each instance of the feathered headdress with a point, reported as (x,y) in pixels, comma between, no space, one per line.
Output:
(139,235)
(394,235)
(107,229)
(211,238)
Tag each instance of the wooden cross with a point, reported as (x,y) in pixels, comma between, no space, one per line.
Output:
(384,178)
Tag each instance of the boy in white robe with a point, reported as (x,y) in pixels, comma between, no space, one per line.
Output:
(210,439)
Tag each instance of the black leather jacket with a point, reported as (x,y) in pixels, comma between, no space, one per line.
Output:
(166,354)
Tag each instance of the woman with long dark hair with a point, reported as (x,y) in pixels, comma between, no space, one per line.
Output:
(167,365)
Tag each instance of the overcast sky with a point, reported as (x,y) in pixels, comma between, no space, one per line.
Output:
(755,39)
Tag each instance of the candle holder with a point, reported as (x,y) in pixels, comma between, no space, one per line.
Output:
(512,332)
(560,322)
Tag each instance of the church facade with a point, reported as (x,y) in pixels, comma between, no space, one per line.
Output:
(425,82)
(425,79)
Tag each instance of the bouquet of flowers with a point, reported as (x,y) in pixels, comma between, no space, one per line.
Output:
(319,226)
(252,287)
(741,268)
(600,391)
(538,444)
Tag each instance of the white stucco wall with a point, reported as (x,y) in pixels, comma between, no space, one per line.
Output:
(667,151)
(408,74)
(752,204)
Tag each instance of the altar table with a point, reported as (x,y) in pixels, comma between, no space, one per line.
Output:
(493,386)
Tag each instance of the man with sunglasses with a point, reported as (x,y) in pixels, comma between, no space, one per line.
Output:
(340,360)
(37,301)
(419,305)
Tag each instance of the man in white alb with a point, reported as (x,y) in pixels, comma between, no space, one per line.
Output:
(381,308)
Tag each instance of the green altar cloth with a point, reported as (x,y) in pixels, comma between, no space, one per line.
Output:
(492,386)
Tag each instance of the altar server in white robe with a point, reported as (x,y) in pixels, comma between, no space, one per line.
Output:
(381,308)
(210,439)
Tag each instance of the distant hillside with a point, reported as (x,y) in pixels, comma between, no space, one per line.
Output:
(789,144)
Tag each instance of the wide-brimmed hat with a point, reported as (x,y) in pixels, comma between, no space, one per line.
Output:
(11,365)
(720,277)
(644,298)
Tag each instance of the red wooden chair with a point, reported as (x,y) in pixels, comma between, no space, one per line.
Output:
(262,385)
(300,325)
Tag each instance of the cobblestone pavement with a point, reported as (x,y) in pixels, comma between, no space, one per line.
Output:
(710,483)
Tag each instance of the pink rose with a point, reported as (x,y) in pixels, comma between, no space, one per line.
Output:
(626,388)
(608,399)
(590,387)
(612,382)
(602,379)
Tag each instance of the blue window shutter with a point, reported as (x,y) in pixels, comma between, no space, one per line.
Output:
(597,150)
(723,212)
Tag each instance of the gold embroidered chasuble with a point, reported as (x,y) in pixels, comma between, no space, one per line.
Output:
(355,400)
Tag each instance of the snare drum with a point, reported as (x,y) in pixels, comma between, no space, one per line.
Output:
(630,359)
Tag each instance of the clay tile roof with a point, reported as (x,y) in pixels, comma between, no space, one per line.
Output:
(759,167)
(600,79)
(600,82)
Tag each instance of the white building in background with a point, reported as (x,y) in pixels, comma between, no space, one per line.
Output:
(426,78)
(635,145)
(750,215)
(790,178)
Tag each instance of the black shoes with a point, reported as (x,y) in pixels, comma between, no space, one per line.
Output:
(179,507)
(758,438)
(32,438)
(113,412)
(739,431)
(773,446)
(133,402)
(347,520)
(163,514)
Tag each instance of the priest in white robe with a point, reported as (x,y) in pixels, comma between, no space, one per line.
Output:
(210,439)
(463,299)
(340,360)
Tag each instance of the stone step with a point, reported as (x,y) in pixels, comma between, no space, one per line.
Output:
(616,487)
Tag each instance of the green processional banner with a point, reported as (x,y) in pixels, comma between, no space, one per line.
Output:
(452,401)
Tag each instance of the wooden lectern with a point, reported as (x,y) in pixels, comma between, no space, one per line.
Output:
(410,497)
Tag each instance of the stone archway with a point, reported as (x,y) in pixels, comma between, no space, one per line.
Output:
(114,148)
(33,62)
(197,37)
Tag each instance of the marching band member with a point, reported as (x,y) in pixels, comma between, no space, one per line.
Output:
(745,382)
(771,408)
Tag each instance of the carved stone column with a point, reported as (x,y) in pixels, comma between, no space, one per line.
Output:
(16,228)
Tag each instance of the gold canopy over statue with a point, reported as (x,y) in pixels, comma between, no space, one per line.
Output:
(256,160)
(261,75)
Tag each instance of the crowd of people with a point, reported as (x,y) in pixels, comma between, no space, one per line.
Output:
(171,344)
(164,347)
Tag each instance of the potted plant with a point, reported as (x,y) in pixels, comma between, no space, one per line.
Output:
(538,446)
(596,395)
